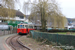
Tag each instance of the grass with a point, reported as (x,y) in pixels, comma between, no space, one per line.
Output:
(62,33)
(66,33)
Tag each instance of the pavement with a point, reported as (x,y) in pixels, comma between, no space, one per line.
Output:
(3,45)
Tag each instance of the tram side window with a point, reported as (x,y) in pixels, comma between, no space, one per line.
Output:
(30,26)
(26,26)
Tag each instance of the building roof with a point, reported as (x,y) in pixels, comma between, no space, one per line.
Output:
(27,16)
(71,19)
(19,13)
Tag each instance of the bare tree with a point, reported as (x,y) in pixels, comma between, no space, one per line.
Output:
(26,7)
(47,9)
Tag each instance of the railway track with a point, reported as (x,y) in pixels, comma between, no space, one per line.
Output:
(14,44)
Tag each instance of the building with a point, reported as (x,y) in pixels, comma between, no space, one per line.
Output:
(18,18)
(71,23)
(37,23)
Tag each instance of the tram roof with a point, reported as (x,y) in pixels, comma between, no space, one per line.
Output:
(25,24)
(22,24)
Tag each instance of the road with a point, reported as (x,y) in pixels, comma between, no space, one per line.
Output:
(3,45)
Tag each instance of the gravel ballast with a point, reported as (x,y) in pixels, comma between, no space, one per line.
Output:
(34,45)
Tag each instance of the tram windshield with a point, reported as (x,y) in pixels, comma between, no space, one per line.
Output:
(25,26)
(20,26)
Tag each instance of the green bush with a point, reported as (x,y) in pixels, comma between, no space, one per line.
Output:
(64,30)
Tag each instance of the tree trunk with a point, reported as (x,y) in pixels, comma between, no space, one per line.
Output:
(43,20)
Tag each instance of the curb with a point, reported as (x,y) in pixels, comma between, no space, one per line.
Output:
(10,47)
(7,44)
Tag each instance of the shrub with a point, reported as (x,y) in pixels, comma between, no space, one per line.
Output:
(57,30)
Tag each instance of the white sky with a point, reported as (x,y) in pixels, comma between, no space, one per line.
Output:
(67,7)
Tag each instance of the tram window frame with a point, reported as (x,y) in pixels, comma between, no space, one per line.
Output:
(19,26)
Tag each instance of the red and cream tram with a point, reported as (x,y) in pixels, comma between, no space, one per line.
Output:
(24,28)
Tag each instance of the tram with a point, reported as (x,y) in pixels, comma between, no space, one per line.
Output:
(24,28)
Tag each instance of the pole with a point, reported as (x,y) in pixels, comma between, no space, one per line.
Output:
(57,38)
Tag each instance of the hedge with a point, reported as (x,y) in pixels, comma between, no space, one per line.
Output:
(63,39)
(64,30)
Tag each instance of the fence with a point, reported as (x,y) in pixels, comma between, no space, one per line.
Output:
(63,39)
(6,32)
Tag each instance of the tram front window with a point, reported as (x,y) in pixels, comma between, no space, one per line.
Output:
(20,26)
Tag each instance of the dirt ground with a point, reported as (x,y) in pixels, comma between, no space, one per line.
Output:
(34,45)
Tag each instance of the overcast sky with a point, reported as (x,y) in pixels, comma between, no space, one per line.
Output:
(67,7)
